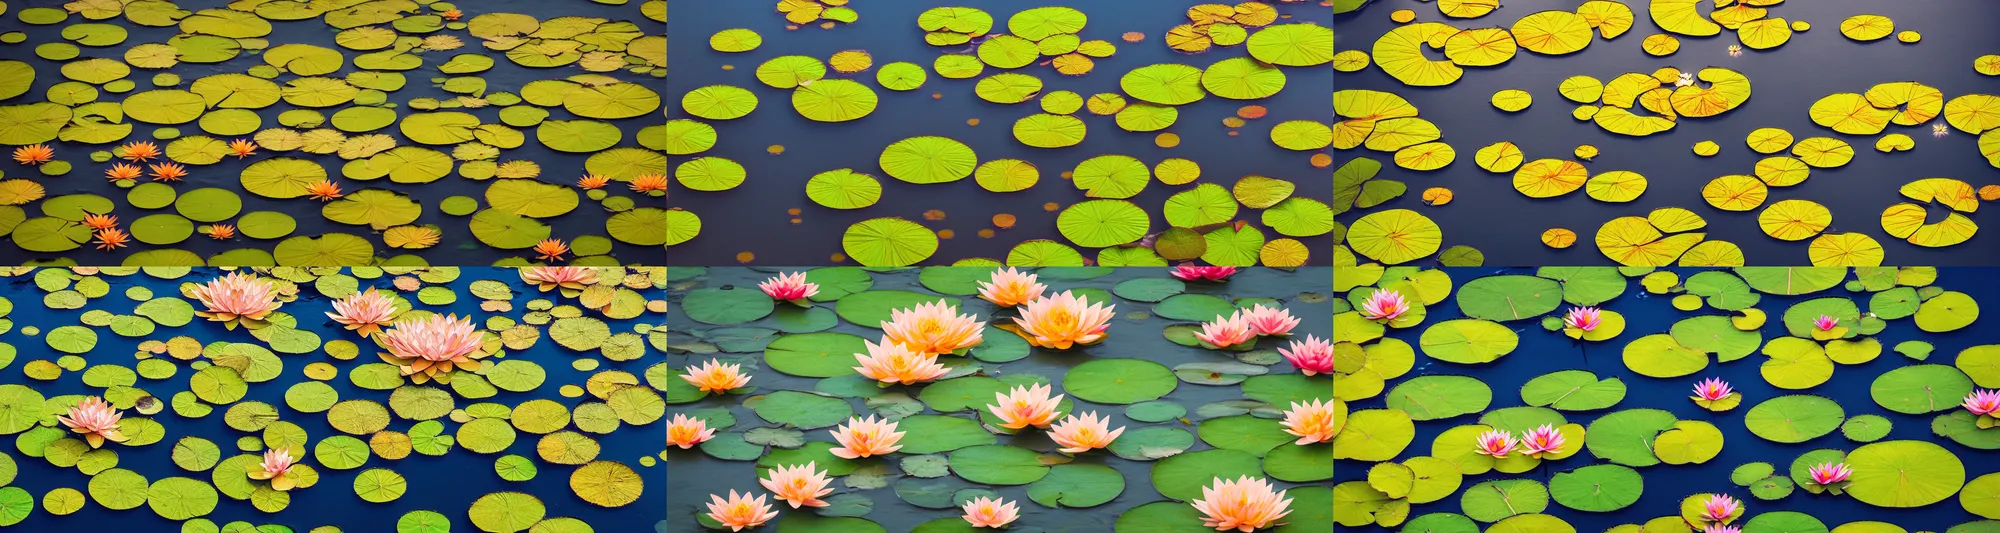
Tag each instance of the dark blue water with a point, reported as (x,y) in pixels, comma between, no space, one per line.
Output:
(1541,352)
(446,484)
(753,217)
(1491,216)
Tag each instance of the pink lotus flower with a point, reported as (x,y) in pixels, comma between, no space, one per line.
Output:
(798,484)
(235,297)
(430,348)
(1270,321)
(990,512)
(1244,505)
(1081,434)
(685,432)
(1384,305)
(933,328)
(866,437)
(789,287)
(550,277)
(1497,443)
(1543,439)
(1719,528)
(1025,406)
(1064,320)
(95,420)
(1712,389)
(1010,288)
(1982,402)
(716,377)
(1583,318)
(1202,273)
(1310,421)
(1718,507)
(277,462)
(364,312)
(890,362)
(1826,323)
(740,511)
(1312,356)
(1226,332)
(1829,473)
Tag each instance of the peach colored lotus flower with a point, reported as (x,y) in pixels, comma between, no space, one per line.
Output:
(1312,356)
(1064,320)
(1270,321)
(739,511)
(1543,439)
(798,484)
(686,432)
(866,437)
(890,362)
(431,347)
(789,287)
(95,420)
(1718,507)
(277,463)
(717,377)
(1202,273)
(990,512)
(932,328)
(1829,473)
(364,312)
(1011,288)
(1226,332)
(1081,434)
(1025,406)
(1719,528)
(549,277)
(1712,389)
(1384,305)
(1310,421)
(1583,318)
(1496,443)
(1982,402)
(1826,323)
(1246,504)
(235,297)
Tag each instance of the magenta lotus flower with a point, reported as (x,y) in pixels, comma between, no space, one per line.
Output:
(1829,473)
(235,298)
(1583,318)
(1270,321)
(1826,323)
(1712,389)
(95,420)
(430,348)
(1202,273)
(1384,305)
(1312,356)
(1718,507)
(1543,439)
(1226,332)
(1497,443)
(1719,528)
(364,312)
(789,287)
(550,277)
(1982,402)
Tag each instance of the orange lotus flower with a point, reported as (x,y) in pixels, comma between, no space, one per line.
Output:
(323,190)
(592,181)
(717,377)
(740,511)
(932,327)
(1244,505)
(551,249)
(1081,434)
(95,420)
(167,171)
(111,238)
(1025,406)
(1064,320)
(34,154)
(451,14)
(364,312)
(235,296)
(277,464)
(1310,421)
(220,231)
(686,432)
(865,437)
(429,349)
(123,172)
(798,484)
(548,277)
(138,151)
(97,221)
(649,182)
(242,148)
(1011,288)
(990,512)
(891,362)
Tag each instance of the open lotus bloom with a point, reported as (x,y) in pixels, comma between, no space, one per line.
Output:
(365,312)
(1826,323)
(95,420)
(1270,321)
(429,349)
(234,298)
(1009,288)
(275,468)
(1063,320)
(1982,402)
(990,512)
(890,362)
(1203,273)
(550,277)
(1583,318)
(1384,305)
(1312,356)
(1829,473)
(1719,507)
(1226,332)
(1081,434)
(716,377)
(686,432)
(1246,504)
(1712,389)
(1541,440)
(866,437)
(1496,443)
(789,287)
(933,327)
(1024,406)
(740,511)
(1310,421)
(798,485)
